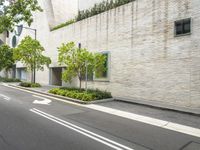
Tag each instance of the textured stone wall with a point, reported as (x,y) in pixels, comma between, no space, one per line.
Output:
(64,10)
(146,60)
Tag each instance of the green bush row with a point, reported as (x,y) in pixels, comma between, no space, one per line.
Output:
(28,84)
(63,25)
(95,10)
(100,8)
(81,94)
(9,80)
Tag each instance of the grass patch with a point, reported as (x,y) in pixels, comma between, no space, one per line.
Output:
(9,80)
(30,85)
(63,25)
(81,94)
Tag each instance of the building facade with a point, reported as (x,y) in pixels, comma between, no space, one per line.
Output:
(153,47)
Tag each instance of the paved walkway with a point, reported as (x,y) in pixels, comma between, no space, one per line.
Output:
(162,114)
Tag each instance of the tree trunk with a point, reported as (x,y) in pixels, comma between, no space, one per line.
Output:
(80,83)
(6,73)
(32,76)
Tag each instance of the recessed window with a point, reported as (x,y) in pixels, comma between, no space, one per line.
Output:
(183,27)
(103,74)
(14,41)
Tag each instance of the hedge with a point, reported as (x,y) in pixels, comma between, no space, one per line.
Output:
(9,80)
(28,84)
(81,94)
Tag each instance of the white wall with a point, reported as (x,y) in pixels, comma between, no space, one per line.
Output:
(64,10)
(147,60)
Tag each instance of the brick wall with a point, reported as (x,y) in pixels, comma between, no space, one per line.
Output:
(147,61)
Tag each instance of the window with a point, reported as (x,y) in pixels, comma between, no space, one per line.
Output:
(103,74)
(183,27)
(14,41)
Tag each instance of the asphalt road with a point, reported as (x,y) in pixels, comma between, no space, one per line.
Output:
(25,125)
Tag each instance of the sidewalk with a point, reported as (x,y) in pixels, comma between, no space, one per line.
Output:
(167,115)
(161,105)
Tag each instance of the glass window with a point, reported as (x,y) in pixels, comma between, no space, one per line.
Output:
(183,27)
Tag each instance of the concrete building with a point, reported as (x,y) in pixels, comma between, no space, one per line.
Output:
(153,47)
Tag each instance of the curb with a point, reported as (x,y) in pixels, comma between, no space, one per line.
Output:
(64,98)
(152,104)
(160,105)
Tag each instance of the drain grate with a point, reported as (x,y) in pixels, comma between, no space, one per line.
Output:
(191,146)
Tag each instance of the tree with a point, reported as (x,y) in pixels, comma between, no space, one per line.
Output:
(76,60)
(29,52)
(6,55)
(16,11)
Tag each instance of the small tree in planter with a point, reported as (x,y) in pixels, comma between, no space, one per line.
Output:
(6,55)
(29,52)
(76,60)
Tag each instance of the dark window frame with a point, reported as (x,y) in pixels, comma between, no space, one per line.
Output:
(181,24)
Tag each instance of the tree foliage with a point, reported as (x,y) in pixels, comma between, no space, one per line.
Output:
(29,52)
(16,11)
(76,59)
(6,57)
(100,8)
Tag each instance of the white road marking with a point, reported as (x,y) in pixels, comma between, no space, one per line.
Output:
(148,120)
(92,135)
(57,99)
(5,97)
(45,101)
(4,84)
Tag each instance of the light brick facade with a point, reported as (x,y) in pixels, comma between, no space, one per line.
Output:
(147,61)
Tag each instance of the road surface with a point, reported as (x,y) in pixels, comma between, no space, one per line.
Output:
(32,122)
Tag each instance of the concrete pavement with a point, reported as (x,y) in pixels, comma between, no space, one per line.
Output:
(58,126)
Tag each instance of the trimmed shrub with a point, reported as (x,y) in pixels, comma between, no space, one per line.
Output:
(81,94)
(9,80)
(30,85)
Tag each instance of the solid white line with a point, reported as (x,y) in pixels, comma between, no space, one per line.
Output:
(148,120)
(87,133)
(38,97)
(84,130)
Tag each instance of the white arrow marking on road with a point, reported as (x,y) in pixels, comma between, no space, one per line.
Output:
(45,101)
(5,97)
